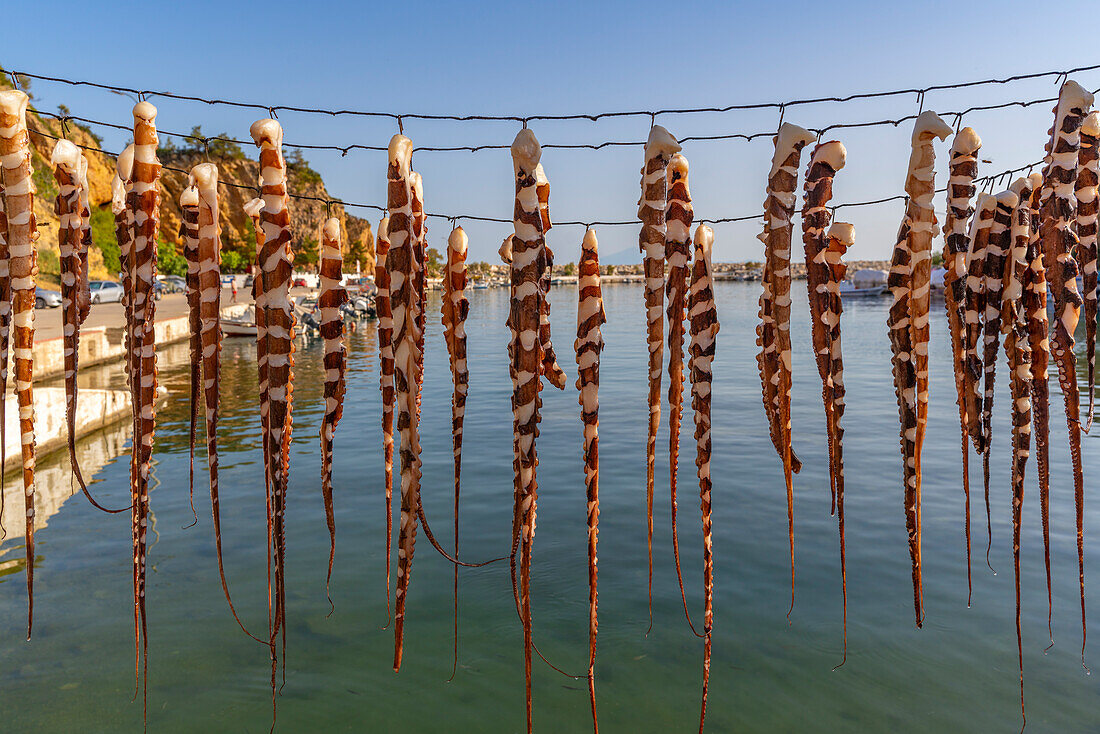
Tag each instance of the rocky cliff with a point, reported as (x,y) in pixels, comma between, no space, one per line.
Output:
(239,172)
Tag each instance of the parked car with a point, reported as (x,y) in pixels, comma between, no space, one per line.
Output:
(175,284)
(46,299)
(299,283)
(105,291)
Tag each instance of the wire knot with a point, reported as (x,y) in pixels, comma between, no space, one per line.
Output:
(920,101)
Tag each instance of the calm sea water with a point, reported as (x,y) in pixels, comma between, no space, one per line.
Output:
(957,674)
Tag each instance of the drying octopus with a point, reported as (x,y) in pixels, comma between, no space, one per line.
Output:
(824,272)
(678,218)
(68,166)
(276,355)
(995,259)
(1088,169)
(189,233)
(774,332)
(527,358)
(703,317)
(332,298)
(651,240)
(143,202)
(18,190)
(825,161)
(1018,351)
(400,262)
(589,346)
(71,207)
(909,280)
(455,309)
(385,370)
(963,168)
(1058,241)
(1034,306)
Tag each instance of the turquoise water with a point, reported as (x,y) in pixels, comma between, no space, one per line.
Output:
(957,674)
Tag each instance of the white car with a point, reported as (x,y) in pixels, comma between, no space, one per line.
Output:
(105,291)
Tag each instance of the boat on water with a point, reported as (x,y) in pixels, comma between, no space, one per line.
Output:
(864,284)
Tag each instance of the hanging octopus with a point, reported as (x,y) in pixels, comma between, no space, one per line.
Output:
(455,308)
(277,390)
(909,281)
(385,369)
(1058,242)
(678,217)
(550,368)
(5,333)
(18,190)
(651,241)
(400,262)
(974,315)
(1034,304)
(1088,177)
(963,168)
(143,200)
(332,298)
(189,233)
(70,172)
(841,236)
(703,315)
(773,333)
(827,159)
(589,346)
(1018,352)
(996,252)
(528,264)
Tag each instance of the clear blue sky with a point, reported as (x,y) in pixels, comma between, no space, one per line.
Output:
(564,57)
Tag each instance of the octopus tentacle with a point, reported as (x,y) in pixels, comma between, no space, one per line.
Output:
(400,261)
(1088,177)
(678,217)
(18,191)
(841,237)
(775,307)
(651,241)
(456,307)
(1018,352)
(826,160)
(974,316)
(144,202)
(996,254)
(703,315)
(189,233)
(385,362)
(528,263)
(5,337)
(253,208)
(908,322)
(274,262)
(1034,304)
(963,168)
(589,345)
(1059,241)
(74,216)
(332,297)
(202,247)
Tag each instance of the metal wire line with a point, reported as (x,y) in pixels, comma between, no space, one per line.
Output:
(748,137)
(454,218)
(274,109)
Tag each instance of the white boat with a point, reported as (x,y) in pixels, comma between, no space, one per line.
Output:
(849,290)
(238,327)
